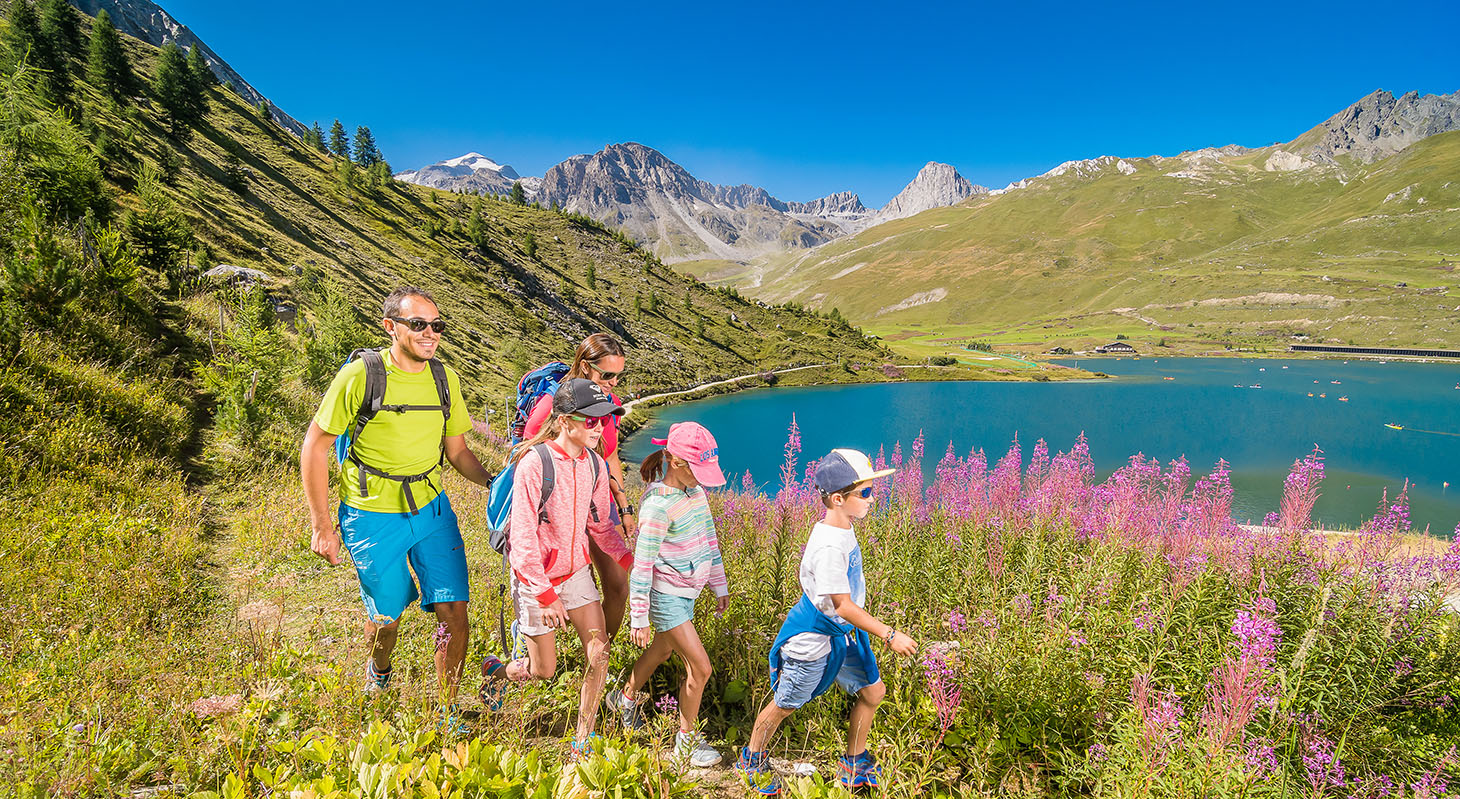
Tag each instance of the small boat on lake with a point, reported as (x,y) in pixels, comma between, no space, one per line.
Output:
(1168,378)
(1392,426)
(1323,396)
(1255,385)
(1310,393)
(1334,382)
(1343,399)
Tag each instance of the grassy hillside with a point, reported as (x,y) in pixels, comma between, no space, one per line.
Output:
(1203,251)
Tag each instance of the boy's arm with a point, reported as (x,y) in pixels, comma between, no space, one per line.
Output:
(901,643)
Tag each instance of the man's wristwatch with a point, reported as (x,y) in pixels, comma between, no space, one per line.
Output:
(627,510)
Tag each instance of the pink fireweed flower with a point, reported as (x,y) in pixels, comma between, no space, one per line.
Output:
(1300,493)
(1160,713)
(1321,764)
(667,703)
(1257,633)
(942,683)
(441,638)
(957,622)
(1260,758)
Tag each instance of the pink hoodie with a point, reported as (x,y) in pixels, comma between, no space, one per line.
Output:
(544,555)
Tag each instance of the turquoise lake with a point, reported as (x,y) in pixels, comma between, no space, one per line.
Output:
(1200,413)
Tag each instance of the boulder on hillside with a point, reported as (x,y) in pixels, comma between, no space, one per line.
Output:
(241,275)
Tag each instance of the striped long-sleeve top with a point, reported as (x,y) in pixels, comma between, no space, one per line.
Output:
(676,552)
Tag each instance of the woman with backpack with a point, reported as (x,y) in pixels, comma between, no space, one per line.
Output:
(548,545)
(600,358)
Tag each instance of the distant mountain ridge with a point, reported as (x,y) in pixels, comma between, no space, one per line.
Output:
(1380,125)
(145,20)
(643,192)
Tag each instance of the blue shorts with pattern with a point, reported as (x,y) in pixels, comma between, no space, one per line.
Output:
(388,547)
(799,678)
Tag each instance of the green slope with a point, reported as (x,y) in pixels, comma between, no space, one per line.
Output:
(1203,252)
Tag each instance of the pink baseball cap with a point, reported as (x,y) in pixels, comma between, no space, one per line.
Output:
(694,443)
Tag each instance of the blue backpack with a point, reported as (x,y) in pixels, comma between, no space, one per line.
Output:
(542,381)
(373,403)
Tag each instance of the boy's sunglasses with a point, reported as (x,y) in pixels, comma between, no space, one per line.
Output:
(417,324)
(865,492)
(606,375)
(590,422)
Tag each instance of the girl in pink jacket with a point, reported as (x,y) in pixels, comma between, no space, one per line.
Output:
(552,575)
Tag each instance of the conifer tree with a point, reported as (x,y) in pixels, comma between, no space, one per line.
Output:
(172,86)
(62,30)
(200,77)
(317,137)
(108,65)
(519,197)
(339,140)
(23,37)
(591,277)
(366,154)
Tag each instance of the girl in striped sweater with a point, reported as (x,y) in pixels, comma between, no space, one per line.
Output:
(675,558)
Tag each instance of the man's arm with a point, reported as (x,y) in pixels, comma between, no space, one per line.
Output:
(314,469)
(861,619)
(465,461)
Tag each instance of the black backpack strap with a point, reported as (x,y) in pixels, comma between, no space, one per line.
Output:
(595,459)
(549,480)
(443,389)
(370,403)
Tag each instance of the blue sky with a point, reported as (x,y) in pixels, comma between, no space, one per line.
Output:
(809,98)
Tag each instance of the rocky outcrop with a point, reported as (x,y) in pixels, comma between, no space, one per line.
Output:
(1381,125)
(936,186)
(681,217)
(145,20)
(474,173)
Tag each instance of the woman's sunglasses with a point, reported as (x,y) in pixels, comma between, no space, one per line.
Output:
(417,324)
(590,422)
(606,375)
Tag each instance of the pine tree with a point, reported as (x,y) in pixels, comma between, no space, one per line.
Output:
(638,306)
(200,78)
(62,30)
(108,65)
(592,277)
(339,140)
(366,154)
(173,88)
(24,36)
(519,196)
(316,135)
(689,304)
(700,326)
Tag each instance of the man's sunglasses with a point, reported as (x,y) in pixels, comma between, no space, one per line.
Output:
(417,324)
(590,422)
(606,375)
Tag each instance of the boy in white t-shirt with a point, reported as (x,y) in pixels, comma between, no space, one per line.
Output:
(826,636)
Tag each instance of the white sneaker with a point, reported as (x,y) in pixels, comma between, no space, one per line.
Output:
(692,748)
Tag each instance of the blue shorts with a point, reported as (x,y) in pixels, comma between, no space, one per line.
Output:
(667,611)
(381,544)
(799,679)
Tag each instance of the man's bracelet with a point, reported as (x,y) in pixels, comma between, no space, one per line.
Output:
(627,510)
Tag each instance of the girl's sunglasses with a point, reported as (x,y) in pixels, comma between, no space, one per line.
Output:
(417,324)
(606,375)
(590,422)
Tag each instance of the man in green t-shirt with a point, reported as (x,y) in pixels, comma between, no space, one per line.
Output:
(389,532)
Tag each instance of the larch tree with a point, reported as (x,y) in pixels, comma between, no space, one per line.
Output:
(107,65)
(339,140)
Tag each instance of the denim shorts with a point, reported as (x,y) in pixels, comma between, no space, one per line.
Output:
(387,547)
(799,678)
(667,611)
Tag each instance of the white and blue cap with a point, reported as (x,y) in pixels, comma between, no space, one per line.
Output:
(843,468)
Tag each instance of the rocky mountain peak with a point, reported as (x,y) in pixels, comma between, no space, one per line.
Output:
(842,203)
(145,20)
(936,186)
(471,172)
(1381,124)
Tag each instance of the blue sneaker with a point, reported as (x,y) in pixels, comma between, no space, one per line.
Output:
(584,749)
(755,769)
(494,683)
(859,771)
(376,682)
(451,724)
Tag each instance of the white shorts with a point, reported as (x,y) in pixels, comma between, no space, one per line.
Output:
(576,591)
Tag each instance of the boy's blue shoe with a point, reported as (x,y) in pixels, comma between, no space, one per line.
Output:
(755,769)
(859,771)
(376,682)
(584,749)
(494,683)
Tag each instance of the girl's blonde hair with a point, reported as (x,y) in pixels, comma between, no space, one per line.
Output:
(593,349)
(549,431)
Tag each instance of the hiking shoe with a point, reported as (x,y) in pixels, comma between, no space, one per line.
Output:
(584,749)
(625,708)
(494,683)
(691,748)
(451,724)
(755,769)
(859,771)
(376,682)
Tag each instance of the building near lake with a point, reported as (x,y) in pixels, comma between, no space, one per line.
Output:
(1117,347)
(1061,351)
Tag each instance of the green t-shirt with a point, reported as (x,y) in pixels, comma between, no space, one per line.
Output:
(396,443)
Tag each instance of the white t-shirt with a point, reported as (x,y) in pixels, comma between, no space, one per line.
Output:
(831,564)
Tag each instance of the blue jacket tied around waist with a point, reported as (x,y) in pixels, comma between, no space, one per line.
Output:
(807,618)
